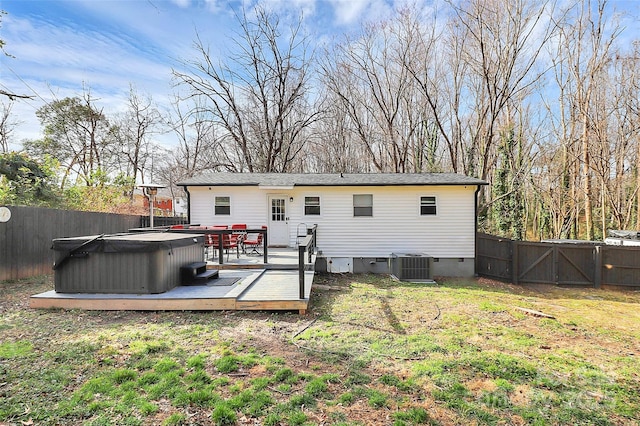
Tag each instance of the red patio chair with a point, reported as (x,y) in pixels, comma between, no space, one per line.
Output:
(239,234)
(211,240)
(254,241)
(230,241)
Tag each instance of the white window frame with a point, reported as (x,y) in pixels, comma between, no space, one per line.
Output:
(427,205)
(215,205)
(359,205)
(304,206)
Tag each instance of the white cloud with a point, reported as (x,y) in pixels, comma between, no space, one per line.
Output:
(352,12)
(307,7)
(349,11)
(214,6)
(54,59)
(182,3)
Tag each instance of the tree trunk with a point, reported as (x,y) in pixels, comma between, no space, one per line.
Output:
(586,172)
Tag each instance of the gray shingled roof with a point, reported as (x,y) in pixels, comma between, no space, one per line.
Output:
(330,179)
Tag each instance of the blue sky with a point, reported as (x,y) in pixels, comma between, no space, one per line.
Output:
(106,45)
(57,46)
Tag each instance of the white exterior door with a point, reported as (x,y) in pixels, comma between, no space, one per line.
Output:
(278,221)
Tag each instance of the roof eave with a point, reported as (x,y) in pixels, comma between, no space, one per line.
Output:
(336,184)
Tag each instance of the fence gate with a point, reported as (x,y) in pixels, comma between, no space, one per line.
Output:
(586,264)
(533,263)
(577,265)
(563,264)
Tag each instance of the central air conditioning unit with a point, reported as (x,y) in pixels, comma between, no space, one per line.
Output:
(412,267)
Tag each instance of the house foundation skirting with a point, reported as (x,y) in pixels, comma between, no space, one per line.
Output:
(442,267)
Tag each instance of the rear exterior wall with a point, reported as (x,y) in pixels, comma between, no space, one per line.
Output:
(396,225)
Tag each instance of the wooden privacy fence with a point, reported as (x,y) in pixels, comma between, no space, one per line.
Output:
(159,221)
(586,264)
(25,240)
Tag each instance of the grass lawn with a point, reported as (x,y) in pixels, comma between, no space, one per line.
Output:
(370,352)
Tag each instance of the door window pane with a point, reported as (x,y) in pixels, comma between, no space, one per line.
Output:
(277,210)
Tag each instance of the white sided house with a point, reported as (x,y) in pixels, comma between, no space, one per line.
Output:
(365,222)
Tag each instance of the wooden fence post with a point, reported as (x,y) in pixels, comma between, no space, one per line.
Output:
(556,265)
(597,276)
(514,262)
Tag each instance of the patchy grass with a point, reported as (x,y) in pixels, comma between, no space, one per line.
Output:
(371,352)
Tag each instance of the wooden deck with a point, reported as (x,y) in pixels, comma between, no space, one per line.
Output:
(274,286)
(278,259)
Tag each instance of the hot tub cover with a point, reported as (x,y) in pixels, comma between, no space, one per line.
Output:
(137,263)
(126,243)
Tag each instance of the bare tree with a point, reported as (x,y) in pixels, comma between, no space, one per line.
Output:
(584,53)
(562,119)
(500,41)
(199,146)
(7,125)
(12,96)
(134,130)
(260,96)
(628,115)
(370,77)
(334,146)
(615,138)
(440,72)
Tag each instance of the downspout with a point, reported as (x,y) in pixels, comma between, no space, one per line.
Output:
(188,204)
(475,234)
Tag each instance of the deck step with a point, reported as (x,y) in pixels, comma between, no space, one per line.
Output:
(202,278)
(196,273)
(208,274)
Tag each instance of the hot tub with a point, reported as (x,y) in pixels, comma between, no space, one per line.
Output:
(140,263)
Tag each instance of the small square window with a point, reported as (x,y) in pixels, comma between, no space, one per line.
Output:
(427,206)
(363,205)
(222,206)
(312,206)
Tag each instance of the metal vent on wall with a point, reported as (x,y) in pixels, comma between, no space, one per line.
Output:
(412,267)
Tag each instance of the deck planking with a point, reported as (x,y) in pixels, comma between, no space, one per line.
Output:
(256,289)
(276,285)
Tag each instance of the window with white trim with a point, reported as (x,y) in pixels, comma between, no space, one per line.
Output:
(428,206)
(312,206)
(222,206)
(362,204)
